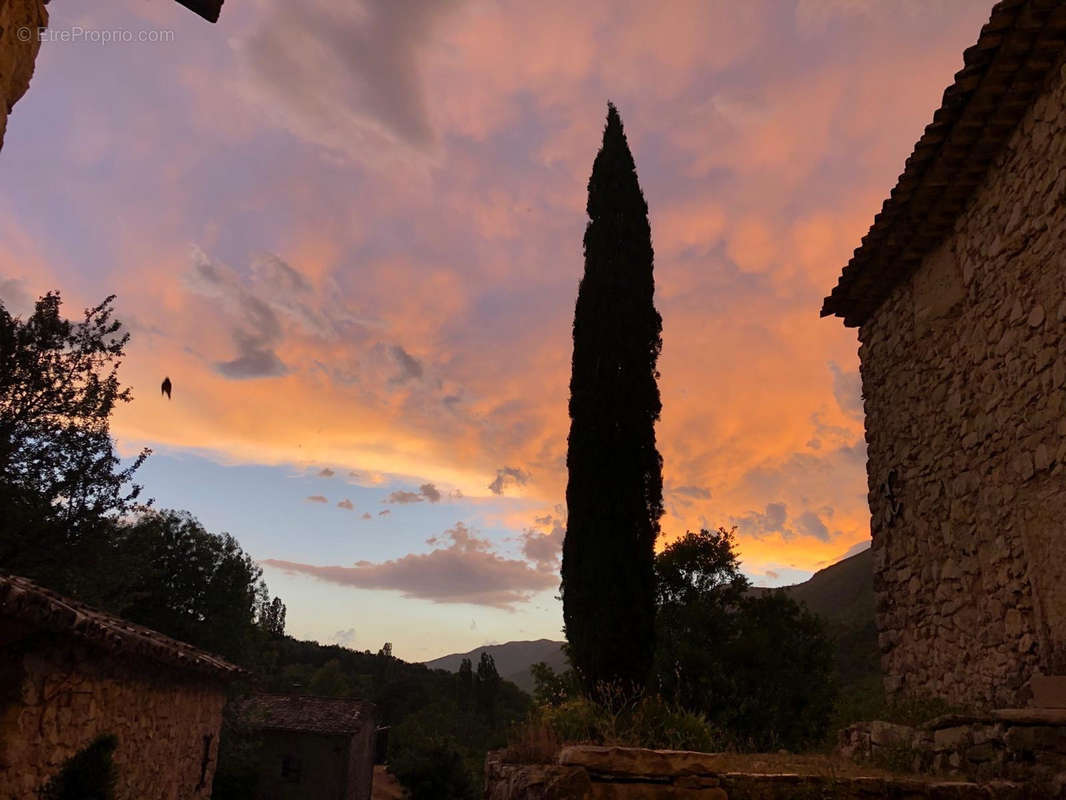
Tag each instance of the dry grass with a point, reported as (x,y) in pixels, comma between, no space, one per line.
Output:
(386,787)
(537,744)
(533,742)
(814,764)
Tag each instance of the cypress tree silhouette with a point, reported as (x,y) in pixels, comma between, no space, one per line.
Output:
(614,492)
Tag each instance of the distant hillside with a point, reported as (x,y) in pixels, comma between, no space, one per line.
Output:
(513,659)
(842,592)
(843,595)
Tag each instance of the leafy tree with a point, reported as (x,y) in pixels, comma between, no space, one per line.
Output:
(330,681)
(488,686)
(189,583)
(699,590)
(465,683)
(271,613)
(551,689)
(61,484)
(428,759)
(614,492)
(758,665)
(781,663)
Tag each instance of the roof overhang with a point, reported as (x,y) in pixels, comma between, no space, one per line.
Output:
(208,9)
(1002,74)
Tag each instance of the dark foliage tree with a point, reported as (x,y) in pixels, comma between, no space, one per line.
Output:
(487,688)
(699,590)
(61,482)
(756,663)
(781,663)
(614,493)
(330,681)
(271,613)
(465,684)
(551,688)
(427,758)
(197,586)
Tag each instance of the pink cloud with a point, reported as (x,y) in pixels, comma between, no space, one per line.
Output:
(465,571)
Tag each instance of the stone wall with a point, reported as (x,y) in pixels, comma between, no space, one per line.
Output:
(18,51)
(361,762)
(319,765)
(1024,745)
(58,697)
(621,773)
(962,371)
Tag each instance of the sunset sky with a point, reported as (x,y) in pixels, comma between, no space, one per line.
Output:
(350,233)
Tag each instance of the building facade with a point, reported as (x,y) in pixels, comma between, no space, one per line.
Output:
(959,294)
(321,747)
(70,674)
(19,44)
(18,52)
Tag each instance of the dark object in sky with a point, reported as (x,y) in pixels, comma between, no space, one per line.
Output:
(208,9)
(614,492)
(166,387)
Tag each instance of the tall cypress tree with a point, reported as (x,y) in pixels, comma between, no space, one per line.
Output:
(614,493)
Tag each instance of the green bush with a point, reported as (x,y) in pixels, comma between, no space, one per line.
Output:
(434,772)
(648,721)
(576,720)
(659,725)
(428,759)
(87,775)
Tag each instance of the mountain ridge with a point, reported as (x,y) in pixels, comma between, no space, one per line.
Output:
(841,594)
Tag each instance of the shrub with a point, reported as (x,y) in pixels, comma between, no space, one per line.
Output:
(915,709)
(577,720)
(647,721)
(87,775)
(657,724)
(433,771)
(533,741)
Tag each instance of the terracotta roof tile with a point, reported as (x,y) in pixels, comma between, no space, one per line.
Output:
(1001,77)
(305,713)
(44,609)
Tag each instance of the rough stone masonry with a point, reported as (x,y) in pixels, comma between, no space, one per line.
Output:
(19,43)
(959,292)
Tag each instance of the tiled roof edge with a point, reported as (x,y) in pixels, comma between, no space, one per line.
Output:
(1002,74)
(25,600)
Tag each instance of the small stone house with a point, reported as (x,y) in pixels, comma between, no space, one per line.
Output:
(312,747)
(69,674)
(959,296)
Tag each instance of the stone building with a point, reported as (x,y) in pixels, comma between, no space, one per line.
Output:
(959,295)
(18,52)
(19,45)
(321,747)
(69,674)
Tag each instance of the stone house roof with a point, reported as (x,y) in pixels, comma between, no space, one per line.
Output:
(44,609)
(305,713)
(1002,74)
(208,9)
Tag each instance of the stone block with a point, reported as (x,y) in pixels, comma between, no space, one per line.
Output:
(650,791)
(1049,691)
(636,761)
(888,734)
(951,738)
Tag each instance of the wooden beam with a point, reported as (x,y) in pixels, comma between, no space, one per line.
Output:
(208,9)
